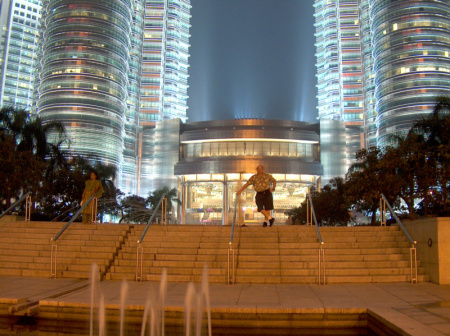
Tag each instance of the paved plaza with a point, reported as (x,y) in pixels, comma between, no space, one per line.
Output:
(416,309)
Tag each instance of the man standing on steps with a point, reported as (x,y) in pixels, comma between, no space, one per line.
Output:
(264,200)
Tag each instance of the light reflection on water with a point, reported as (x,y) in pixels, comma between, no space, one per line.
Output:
(31,327)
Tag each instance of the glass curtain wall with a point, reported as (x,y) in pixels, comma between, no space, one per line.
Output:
(165,61)
(339,62)
(19,20)
(370,127)
(128,181)
(411,41)
(210,198)
(84,73)
(306,151)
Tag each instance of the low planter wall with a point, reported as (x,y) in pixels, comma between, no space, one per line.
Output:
(12,218)
(433,246)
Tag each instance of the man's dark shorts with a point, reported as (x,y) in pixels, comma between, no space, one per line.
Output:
(264,200)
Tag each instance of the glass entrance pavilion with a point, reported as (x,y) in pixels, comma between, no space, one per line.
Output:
(217,157)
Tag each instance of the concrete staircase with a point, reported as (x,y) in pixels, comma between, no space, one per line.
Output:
(25,248)
(280,254)
(368,254)
(182,249)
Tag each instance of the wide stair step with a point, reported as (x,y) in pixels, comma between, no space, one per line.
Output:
(280,254)
(26,248)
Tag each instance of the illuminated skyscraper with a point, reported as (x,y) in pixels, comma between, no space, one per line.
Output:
(19,21)
(411,46)
(128,180)
(164,81)
(165,61)
(340,67)
(380,64)
(110,69)
(84,73)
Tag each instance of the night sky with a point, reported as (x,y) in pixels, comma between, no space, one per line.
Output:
(252,59)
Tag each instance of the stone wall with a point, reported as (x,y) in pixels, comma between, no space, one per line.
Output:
(12,218)
(433,246)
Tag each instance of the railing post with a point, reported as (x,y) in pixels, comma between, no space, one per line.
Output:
(53,255)
(412,251)
(139,262)
(382,212)
(322,277)
(231,259)
(308,213)
(230,273)
(413,259)
(164,211)
(28,209)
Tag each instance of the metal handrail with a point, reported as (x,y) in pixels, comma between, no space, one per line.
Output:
(140,249)
(321,266)
(15,204)
(77,214)
(234,220)
(315,219)
(54,250)
(412,250)
(231,257)
(398,221)
(151,219)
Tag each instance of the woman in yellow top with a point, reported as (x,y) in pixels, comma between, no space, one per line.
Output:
(93,187)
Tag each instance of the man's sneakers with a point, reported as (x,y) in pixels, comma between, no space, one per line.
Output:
(271,221)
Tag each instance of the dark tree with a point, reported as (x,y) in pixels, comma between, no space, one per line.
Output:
(20,171)
(436,128)
(330,205)
(154,197)
(370,176)
(134,210)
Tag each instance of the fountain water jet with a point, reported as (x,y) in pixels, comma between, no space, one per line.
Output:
(155,313)
(194,299)
(123,299)
(95,278)
(101,316)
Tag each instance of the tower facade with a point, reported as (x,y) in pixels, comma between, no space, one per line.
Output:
(84,74)
(164,81)
(109,70)
(128,181)
(340,67)
(380,64)
(165,64)
(19,22)
(411,46)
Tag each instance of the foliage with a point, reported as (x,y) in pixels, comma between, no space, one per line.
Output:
(171,195)
(370,176)
(414,170)
(436,128)
(27,155)
(60,196)
(134,210)
(20,171)
(32,135)
(330,205)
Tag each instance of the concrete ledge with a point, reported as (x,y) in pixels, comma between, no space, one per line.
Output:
(391,322)
(433,243)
